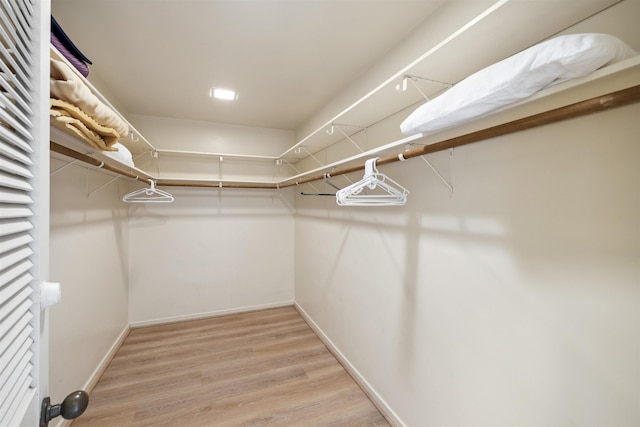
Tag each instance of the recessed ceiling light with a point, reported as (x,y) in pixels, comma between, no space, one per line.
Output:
(226,94)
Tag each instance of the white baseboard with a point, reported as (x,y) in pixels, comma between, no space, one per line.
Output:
(379,403)
(217,313)
(97,373)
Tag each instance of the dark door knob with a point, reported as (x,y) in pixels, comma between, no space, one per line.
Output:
(71,407)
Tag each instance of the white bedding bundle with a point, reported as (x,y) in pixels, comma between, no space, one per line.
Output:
(515,78)
(122,154)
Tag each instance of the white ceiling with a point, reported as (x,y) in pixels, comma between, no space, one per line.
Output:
(286,59)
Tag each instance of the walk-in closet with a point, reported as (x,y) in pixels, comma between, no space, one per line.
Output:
(410,213)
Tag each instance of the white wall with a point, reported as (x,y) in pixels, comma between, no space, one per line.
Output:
(89,257)
(516,302)
(210,252)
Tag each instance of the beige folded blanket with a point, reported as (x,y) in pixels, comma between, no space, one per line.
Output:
(65,85)
(71,119)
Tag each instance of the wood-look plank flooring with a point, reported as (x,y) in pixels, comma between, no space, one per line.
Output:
(265,368)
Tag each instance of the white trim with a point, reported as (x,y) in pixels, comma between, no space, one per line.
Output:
(61,422)
(377,400)
(102,366)
(217,313)
(97,373)
(214,154)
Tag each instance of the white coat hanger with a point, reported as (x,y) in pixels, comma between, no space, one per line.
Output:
(148,195)
(393,194)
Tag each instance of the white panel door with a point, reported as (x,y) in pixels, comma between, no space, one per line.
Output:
(24,208)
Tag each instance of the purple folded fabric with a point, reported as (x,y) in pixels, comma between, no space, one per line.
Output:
(57,30)
(76,62)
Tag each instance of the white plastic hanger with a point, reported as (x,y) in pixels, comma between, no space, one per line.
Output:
(393,194)
(148,195)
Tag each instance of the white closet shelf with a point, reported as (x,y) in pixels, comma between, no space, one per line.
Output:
(224,156)
(76,145)
(384,102)
(596,92)
(609,79)
(619,76)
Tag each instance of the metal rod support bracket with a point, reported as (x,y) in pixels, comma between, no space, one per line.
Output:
(438,174)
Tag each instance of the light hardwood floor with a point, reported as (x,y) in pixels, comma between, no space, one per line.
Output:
(265,368)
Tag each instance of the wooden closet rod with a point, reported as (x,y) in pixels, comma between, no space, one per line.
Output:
(94,162)
(593,105)
(217,185)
